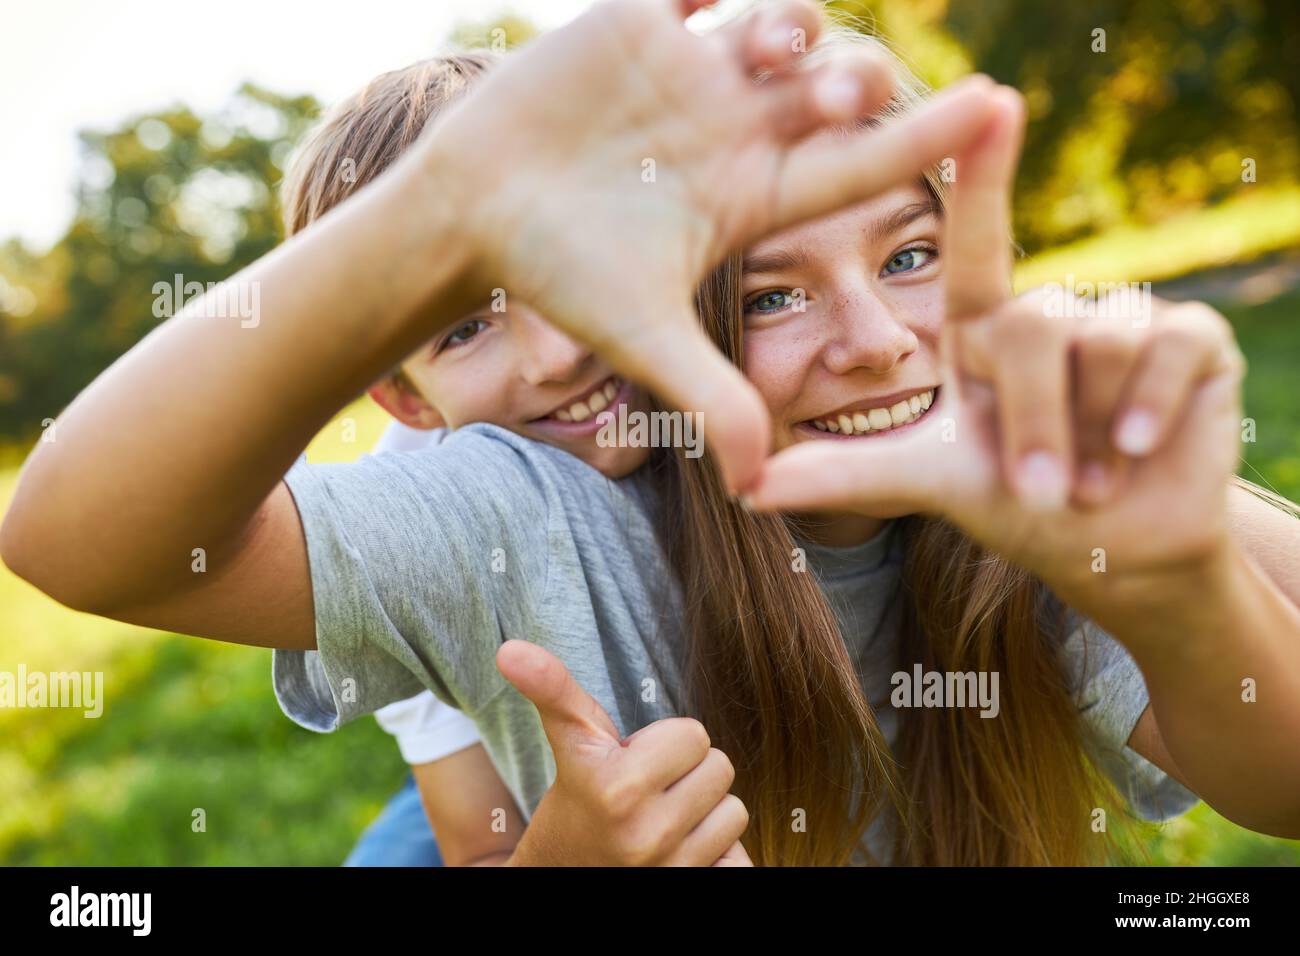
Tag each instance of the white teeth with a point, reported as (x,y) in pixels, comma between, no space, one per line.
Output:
(877,419)
(880,418)
(597,401)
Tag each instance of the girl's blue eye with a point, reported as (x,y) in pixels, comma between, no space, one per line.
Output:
(774,300)
(908,260)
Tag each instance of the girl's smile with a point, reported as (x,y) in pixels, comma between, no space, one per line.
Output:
(872,417)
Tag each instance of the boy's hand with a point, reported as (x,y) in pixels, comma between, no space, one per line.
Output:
(604,170)
(658,798)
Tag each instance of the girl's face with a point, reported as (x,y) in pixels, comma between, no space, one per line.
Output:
(842,321)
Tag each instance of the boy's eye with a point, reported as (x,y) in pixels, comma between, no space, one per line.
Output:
(465,331)
(773,300)
(909,260)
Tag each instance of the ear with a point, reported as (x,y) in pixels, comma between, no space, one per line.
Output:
(405,404)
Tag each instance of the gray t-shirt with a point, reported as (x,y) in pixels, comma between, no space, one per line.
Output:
(422,564)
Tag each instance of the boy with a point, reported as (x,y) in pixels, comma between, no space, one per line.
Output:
(500,367)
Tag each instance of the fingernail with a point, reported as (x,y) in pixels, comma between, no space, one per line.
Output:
(1040,480)
(839,94)
(1136,434)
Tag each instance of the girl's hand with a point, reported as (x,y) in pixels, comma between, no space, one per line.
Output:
(658,798)
(1072,447)
(603,170)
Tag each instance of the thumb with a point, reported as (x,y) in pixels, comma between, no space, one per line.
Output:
(882,478)
(569,714)
(676,360)
(977,222)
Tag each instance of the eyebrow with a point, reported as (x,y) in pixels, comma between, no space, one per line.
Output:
(882,228)
(777,261)
(900,219)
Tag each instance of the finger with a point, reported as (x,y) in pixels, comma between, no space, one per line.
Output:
(735,856)
(977,226)
(1105,354)
(690,799)
(684,8)
(857,83)
(774,37)
(883,477)
(570,715)
(1031,379)
(669,749)
(1195,344)
(676,360)
(714,835)
(822,174)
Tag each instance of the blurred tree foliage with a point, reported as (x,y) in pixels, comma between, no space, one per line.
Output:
(1159,121)
(1138,108)
(165,194)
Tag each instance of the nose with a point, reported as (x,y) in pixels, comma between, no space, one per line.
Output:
(549,355)
(865,331)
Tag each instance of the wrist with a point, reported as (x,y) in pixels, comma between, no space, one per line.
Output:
(437,268)
(438,183)
(1169,605)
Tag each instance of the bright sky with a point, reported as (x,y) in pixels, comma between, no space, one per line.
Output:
(66,65)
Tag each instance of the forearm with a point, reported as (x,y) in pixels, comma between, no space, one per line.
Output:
(1198,637)
(176,446)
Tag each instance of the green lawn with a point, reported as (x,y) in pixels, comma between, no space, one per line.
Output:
(193,725)
(186,725)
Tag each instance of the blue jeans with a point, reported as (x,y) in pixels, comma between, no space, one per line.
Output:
(400,835)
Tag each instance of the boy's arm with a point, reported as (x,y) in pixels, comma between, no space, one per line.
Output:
(181,445)
(473,815)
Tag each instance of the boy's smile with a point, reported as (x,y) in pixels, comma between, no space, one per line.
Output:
(515,370)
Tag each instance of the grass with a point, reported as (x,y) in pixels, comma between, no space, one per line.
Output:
(1264,220)
(187,726)
(191,725)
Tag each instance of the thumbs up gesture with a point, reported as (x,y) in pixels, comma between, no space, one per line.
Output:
(658,798)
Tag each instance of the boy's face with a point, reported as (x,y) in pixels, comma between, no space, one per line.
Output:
(515,370)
